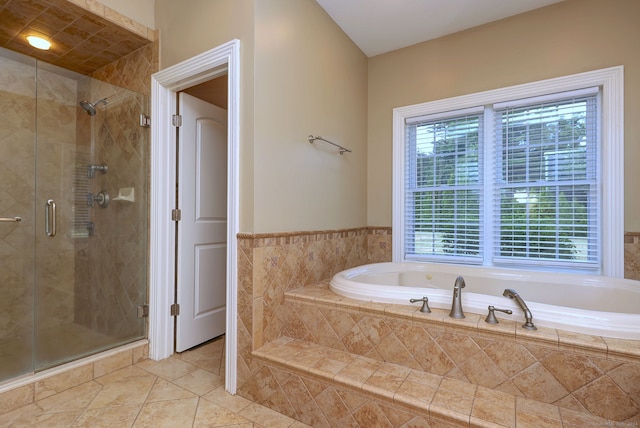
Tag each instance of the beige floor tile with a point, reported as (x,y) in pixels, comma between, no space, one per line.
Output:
(170,368)
(64,419)
(200,381)
(108,417)
(222,398)
(123,392)
(164,390)
(19,416)
(265,416)
(131,373)
(212,415)
(170,414)
(73,399)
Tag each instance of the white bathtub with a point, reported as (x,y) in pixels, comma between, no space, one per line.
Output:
(587,304)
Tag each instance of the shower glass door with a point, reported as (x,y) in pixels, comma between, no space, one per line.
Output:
(73,270)
(17,196)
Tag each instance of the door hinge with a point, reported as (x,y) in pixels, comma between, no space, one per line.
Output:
(143,311)
(175,310)
(176,120)
(176,214)
(145,121)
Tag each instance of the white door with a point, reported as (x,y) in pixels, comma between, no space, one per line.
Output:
(202,230)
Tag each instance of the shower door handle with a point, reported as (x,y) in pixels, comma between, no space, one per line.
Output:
(50,218)
(10,219)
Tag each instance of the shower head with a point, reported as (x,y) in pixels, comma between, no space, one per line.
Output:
(90,108)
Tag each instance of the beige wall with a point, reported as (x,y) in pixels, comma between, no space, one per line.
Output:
(138,10)
(566,38)
(300,75)
(186,31)
(310,78)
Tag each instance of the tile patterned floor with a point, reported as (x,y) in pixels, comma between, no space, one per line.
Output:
(185,390)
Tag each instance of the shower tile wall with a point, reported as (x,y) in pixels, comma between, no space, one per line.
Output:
(120,233)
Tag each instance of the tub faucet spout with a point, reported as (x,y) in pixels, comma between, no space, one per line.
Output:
(511,293)
(456,305)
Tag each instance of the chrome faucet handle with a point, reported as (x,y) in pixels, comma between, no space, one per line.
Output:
(425,304)
(491,317)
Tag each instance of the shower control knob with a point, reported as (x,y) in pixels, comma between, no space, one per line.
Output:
(101,198)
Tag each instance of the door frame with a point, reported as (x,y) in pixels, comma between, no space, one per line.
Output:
(164,87)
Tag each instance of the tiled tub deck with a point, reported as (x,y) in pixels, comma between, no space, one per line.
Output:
(345,362)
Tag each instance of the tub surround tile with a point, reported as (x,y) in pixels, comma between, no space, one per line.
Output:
(386,380)
(533,414)
(436,316)
(622,348)
(507,328)
(537,383)
(481,370)
(357,373)
(571,370)
(493,406)
(606,399)
(510,359)
(577,419)
(506,354)
(543,335)
(526,368)
(578,342)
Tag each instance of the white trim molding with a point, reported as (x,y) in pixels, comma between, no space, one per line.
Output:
(610,80)
(164,86)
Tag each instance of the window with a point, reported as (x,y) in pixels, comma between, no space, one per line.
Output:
(528,177)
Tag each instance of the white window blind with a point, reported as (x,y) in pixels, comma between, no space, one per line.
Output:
(550,176)
(546,193)
(443,186)
(543,183)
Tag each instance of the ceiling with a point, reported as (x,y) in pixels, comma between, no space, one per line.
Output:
(81,41)
(379,26)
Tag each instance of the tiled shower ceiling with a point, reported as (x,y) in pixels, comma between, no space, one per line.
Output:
(81,41)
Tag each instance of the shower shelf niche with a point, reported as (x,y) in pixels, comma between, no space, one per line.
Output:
(126,194)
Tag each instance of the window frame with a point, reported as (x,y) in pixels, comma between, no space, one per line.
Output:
(611,82)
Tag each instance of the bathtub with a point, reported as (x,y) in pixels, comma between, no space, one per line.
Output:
(594,305)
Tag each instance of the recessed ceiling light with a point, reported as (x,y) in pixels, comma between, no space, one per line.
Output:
(39,42)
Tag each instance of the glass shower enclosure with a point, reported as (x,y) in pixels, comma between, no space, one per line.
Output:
(73,215)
